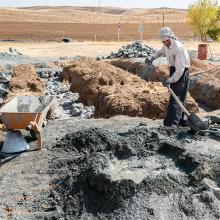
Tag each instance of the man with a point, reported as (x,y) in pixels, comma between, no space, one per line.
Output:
(179,62)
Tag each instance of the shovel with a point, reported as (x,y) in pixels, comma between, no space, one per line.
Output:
(196,122)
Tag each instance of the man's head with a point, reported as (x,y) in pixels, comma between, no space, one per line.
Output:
(166,36)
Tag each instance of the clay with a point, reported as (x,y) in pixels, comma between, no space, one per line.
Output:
(25,81)
(114,91)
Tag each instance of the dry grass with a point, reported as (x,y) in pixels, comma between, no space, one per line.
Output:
(103,32)
(91,15)
(84,23)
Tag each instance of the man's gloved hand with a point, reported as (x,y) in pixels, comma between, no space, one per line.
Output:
(149,60)
(167,82)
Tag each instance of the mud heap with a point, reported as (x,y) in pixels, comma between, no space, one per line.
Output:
(139,174)
(25,81)
(136,68)
(114,91)
(205,84)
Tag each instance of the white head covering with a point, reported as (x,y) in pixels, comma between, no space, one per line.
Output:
(166,33)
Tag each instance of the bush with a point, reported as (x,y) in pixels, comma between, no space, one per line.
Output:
(202,17)
(214,33)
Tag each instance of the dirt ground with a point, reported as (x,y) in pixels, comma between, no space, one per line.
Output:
(124,168)
(87,48)
(84,23)
(101,32)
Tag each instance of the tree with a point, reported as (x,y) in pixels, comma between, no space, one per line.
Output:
(202,17)
(214,32)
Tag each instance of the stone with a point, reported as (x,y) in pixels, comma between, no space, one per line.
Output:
(136,49)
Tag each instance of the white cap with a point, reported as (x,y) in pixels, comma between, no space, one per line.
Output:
(165,33)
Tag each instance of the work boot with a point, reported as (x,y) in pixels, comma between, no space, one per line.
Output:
(184,123)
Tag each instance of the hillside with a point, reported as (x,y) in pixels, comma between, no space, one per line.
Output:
(71,14)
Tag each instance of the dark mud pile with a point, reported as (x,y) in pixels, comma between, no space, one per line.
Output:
(140,174)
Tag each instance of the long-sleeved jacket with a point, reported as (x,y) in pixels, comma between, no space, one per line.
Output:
(177,56)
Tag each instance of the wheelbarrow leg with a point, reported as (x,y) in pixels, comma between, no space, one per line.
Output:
(39,140)
(35,128)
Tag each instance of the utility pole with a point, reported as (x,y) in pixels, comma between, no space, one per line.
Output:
(98,9)
(119,30)
(163,17)
(99,5)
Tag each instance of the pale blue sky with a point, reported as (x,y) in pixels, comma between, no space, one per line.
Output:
(117,3)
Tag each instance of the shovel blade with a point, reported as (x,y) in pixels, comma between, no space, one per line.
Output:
(197,122)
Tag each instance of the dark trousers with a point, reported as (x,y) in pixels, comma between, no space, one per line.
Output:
(175,115)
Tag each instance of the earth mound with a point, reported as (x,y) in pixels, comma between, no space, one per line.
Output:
(25,82)
(114,91)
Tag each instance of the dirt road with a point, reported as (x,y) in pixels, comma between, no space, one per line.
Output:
(85,48)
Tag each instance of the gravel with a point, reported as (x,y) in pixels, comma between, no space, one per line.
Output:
(134,50)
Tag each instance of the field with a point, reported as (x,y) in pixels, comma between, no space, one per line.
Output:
(87,48)
(55,23)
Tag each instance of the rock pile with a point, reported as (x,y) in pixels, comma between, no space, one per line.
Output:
(66,104)
(135,49)
(5,77)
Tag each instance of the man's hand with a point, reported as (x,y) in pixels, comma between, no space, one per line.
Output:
(149,60)
(167,82)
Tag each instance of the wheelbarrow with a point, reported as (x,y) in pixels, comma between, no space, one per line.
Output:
(24,112)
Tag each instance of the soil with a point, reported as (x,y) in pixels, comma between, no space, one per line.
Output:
(81,23)
(37,31)
(120,168)
(25,82)
(204,86)
(136,67)
(114,91)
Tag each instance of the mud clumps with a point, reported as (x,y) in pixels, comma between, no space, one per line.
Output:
(136,68)
(114,91)
(109,175)
(205,87)
(25,82)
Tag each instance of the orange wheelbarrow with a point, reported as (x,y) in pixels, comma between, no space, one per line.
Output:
(24,112)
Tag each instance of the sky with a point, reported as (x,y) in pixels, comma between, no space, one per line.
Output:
(116,3)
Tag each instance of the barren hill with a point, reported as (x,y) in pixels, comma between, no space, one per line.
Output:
(88,23)
(71,14)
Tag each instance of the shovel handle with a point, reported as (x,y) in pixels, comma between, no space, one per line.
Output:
(174,95)
(178,101)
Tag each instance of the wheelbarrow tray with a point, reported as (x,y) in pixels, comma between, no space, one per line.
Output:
(21,110)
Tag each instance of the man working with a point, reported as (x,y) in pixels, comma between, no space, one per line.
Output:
(179,62)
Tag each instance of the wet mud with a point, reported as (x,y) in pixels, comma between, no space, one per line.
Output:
(139,174)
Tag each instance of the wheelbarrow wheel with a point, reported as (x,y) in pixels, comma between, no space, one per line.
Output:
(33,134)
